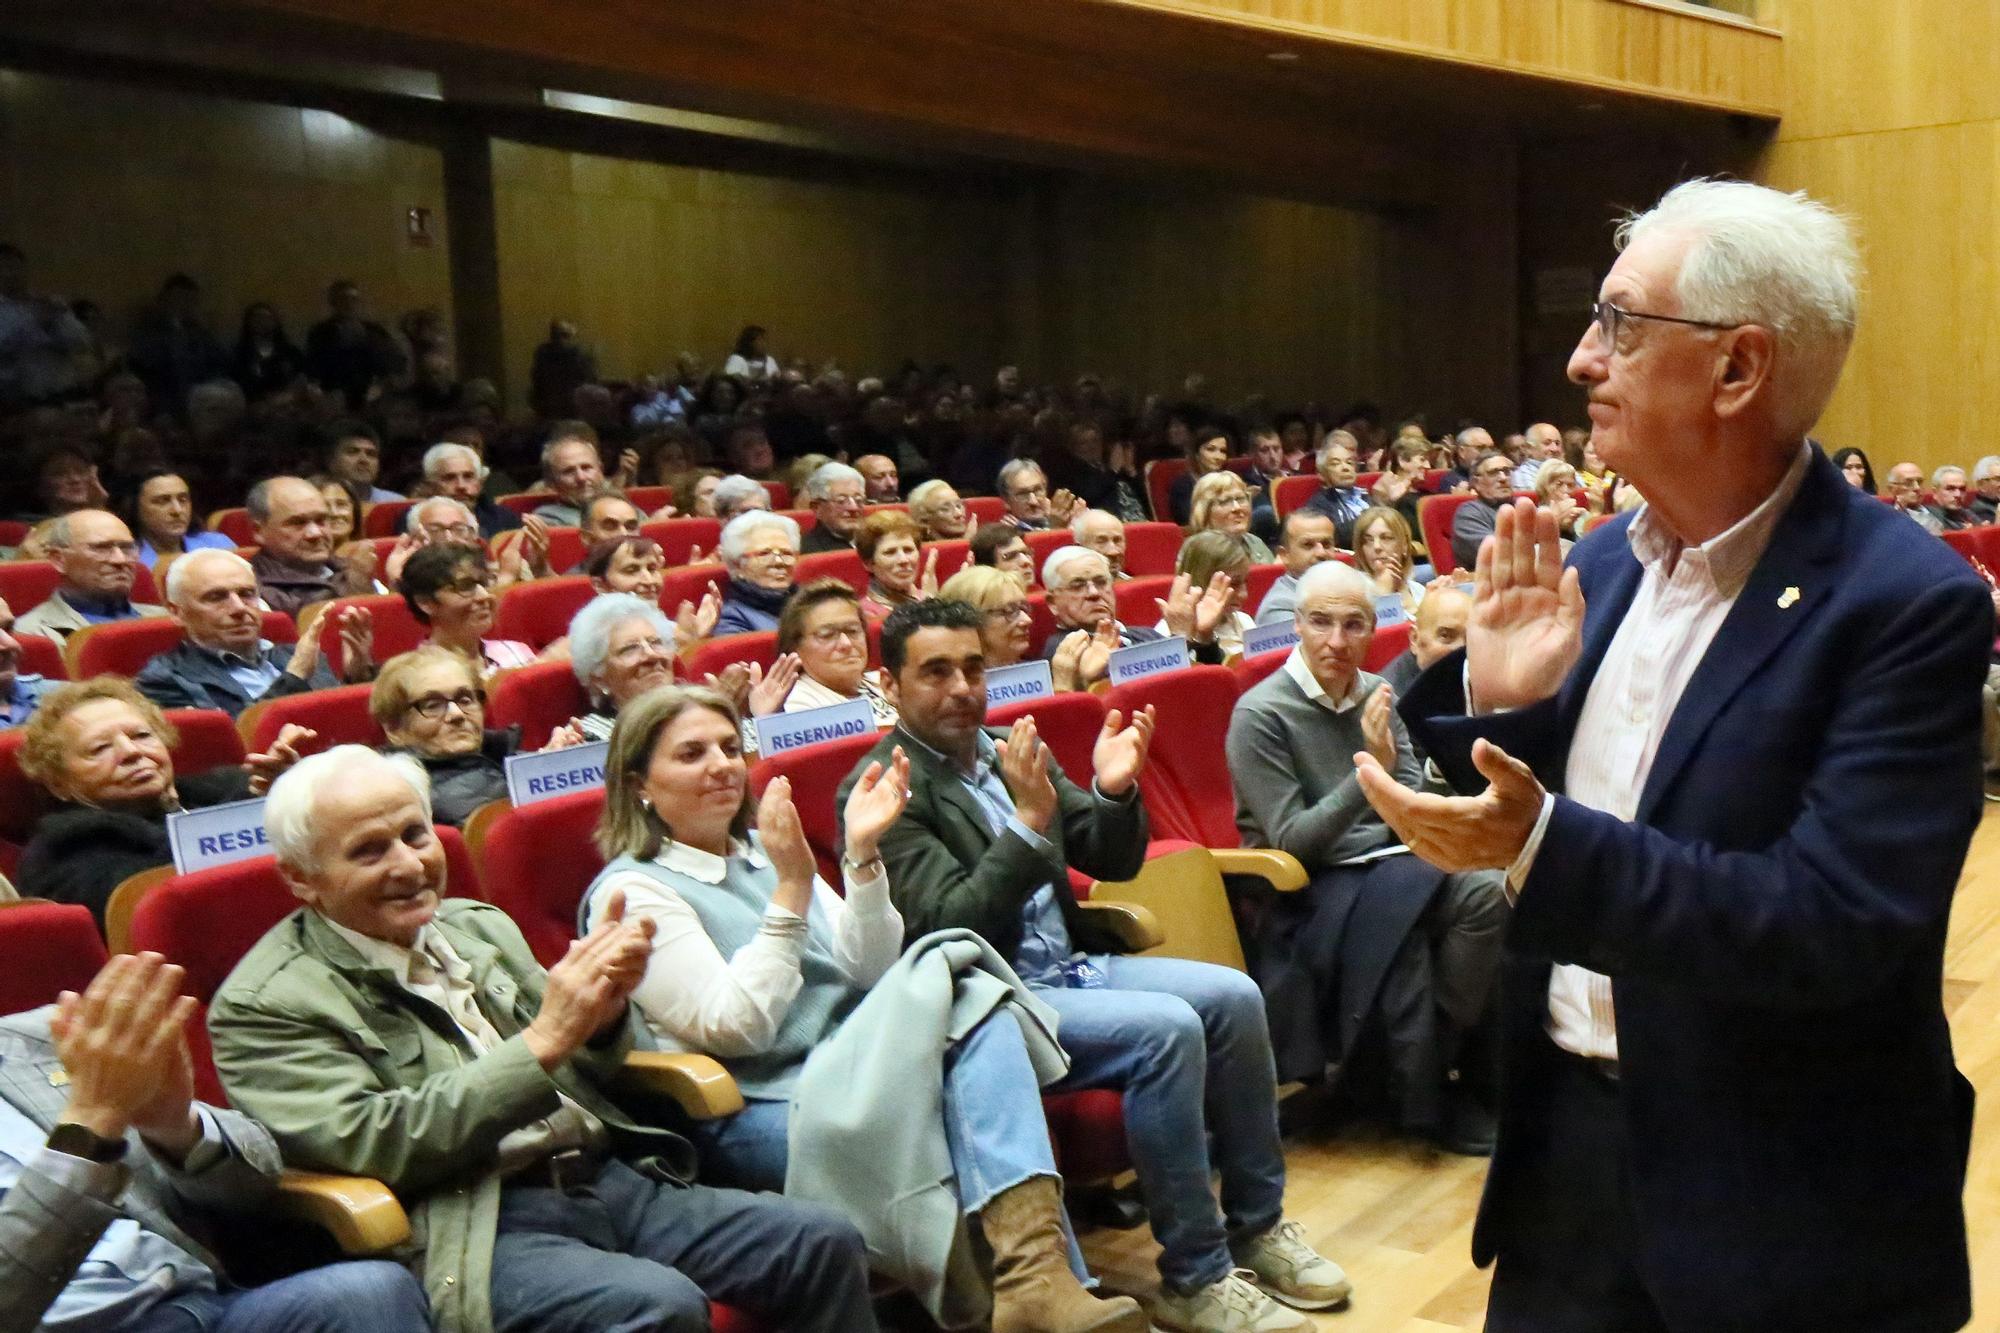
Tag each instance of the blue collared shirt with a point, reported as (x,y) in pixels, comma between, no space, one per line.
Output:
(255,673)
(101,612)
(18,704)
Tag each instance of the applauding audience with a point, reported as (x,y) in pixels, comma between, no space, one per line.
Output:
(99,562)
(759,550)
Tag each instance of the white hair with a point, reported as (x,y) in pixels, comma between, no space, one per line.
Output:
(410,520)
(178,572)
(1336,578)
(1937,477)
(1019,467)
(1062,557)
(925,496)
(1761,256)
(291,808)
(819,485)
(734,489)
(1084,516)
(590,630)
(437,455)
(1986,467)
(737,531)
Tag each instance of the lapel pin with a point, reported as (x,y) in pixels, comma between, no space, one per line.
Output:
(58,1078)
(1787,598)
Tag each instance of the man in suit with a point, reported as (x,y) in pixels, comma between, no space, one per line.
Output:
(1731,766)
(986,843)
(387,1032)
(99,562)
(109,1169)
(1079,582)
(225,662)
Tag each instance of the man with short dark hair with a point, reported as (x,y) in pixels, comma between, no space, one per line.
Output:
(1304,540)
(1473,522)
(985,844)
(295,562)
(354,456)
(99,563)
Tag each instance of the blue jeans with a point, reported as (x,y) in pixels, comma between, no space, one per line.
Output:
(365,1296)
(627,1254)
(992,1122)
(1187,1045)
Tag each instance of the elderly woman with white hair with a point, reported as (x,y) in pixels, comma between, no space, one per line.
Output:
(941,513)
(737,494)
(620,646)
(838,497)
(759,550)
(1379,935)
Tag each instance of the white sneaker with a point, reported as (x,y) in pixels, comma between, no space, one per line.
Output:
(1233,1305)
(1293,1271)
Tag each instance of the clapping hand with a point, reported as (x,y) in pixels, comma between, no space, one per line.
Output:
(784,838)
(1064,506)
(628,469)
(123,1042)
(1024,767)
(875,803)
(1376,732)
(586,990)
(357,642)
(768,689)
(1455,833)
(693,624)
(568,734)
(265,768)
(305,654)
(1120,754)
(927,582)
(535,545)
(1526,628)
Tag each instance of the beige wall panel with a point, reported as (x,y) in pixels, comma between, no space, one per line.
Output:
(1857,65)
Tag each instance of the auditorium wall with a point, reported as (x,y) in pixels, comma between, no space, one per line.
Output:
(110,187)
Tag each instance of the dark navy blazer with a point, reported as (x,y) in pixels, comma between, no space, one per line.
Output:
(1773,921)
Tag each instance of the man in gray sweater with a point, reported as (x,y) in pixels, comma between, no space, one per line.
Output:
(1378,934)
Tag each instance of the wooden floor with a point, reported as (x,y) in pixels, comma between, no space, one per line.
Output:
(1399,1218)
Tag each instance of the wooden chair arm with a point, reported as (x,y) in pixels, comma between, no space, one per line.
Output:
(1281,869)
(1135,926)
(124,902)
(363,1216)
(701,1086)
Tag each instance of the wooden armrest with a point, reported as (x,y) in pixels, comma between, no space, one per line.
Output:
(701,1086)
(1135,926)
(363,1216)
(1282,869)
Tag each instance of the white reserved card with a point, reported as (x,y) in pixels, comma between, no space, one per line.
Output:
(788,731)
(547,774)
(1022,681)
(1148,659)
(1281,637)
(217,835)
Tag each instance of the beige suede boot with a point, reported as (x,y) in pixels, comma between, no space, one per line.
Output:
(1033,1289)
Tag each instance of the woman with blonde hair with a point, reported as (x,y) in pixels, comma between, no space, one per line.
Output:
(1202,557)
(1007,631)
(1221,503)
(1385,552)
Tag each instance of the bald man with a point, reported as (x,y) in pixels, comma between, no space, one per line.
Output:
(1544,445)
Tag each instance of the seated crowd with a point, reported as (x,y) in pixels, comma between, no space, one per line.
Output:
(388,1030)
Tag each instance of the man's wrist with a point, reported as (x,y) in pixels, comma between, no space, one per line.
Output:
(102,1121)
(177,1139)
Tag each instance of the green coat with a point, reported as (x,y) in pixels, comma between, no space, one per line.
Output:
(352,1074)
(946,869)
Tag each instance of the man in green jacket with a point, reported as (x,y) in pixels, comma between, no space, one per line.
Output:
(386,1032)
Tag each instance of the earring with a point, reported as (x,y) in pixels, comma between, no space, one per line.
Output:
(646,804)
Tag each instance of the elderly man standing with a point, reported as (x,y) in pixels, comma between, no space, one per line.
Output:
(99,562)
(457,472)
(295,562)
(225,661)
(1473,521)
(838,497)
(1905,483)
(109,1169)
(1305,539)
(1731,836)
(1378,935)
(386,1031)
(573,469)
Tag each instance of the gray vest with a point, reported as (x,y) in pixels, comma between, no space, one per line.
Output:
(732,913)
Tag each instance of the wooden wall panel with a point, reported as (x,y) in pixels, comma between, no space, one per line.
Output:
(110,188)
(1859,67)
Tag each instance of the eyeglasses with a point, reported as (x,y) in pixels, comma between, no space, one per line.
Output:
(650,646)
(452,531)
(1101,583)
(771,553)
(102,549)
(1012,611)
(470,584)
(846,501)
(435,706)
(1610,318)
(828,635)
(1030,492)
(1500,471)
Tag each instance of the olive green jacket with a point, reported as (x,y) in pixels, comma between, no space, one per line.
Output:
(355,1075)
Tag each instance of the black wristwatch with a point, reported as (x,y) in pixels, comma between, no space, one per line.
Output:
(77,1141)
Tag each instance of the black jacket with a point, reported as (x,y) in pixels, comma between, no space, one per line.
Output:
(461,783)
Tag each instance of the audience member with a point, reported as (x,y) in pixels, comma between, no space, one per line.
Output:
(1950,500)
(104,752)
(1543,443)
(560,367)
(1221,503)
(1305,539)
(1467,448)
(761,963)
(99,562)
(1855,469)
(1212,554)
(295,559)
(695,493)
(991,827)
(838,498)
(1386,553)
(823,626)
(606,516)
(1338,497)
(20,690)
(1906,488)
(899,570)
(1007,628)
(884,484)
(114,1174)
(1986,489)
(1207,454)
(749,452)
(449,589)
(1002,546)
(1379,936)
(737,494)
(1473,521)
(457,472)
(354,455)
(1095,473)
(620,646)
(1266,470)
(266,361)
(759,551)
(345,353)
(1025,488)
(1438,632)
(525,1178)
(225,662)
(160,511)
(1101,531)
(1079,586)
(940,512)
(749,360)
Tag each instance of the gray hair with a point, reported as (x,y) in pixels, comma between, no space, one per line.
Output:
(1018,467)
(1339,579)
(411,524)
(733,490)
(737,531)
(258,503)
(436,456)
(561,438)
(1084,516)
(1760,256)
(1335,439)
(1464,437)
(58,538)
(178,575)
(819,485)
(291,808)
(590,630)
(1986,467)
(1062,557)
(924,496)
(1938,476)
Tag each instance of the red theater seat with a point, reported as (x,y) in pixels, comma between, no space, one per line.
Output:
(1288,493)
(538,612)
(234,524)
(396,630)
(952,556)
(49,948)
(1161,474)
(537,698)
(1260,581)
(713,656)
(26,584)
(340,716)
(1151,548)
(1389,644)
(42,657)
(1136,598)
(690,583)
(781,494)
(1435,514)
(843,565)
(986,508)
(535,864)
(385,518)
(123,647)
(677,537)
(1067,723)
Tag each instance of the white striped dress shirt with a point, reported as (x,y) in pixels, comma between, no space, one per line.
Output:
(1684,596)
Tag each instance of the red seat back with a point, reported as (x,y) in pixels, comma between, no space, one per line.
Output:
(21,801)
(805,518)
(123,647)
(690,583)
(1390,643)
(26,584)
(49,948)
(208,740)
(538,698)
(843,565)
(1434,515)
(677,537)
(1260,581)
(1136,598)
(203,746)
(713,656)
(234,524)
(646,499)
(1067,723)
(1045,543)
(1288,493)
(538,612)
(1161,474)
(1151,548)
(816,772)
(1042,621)
(781,494)
(526,502)
(1365,481)
(566,549)
(1251,671)
(535,864)
(42,656)
(340,716)
(1186,784)
(952,556)
(1966,542)
(396,630)
(986,508)
(13,532)
(385,518)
